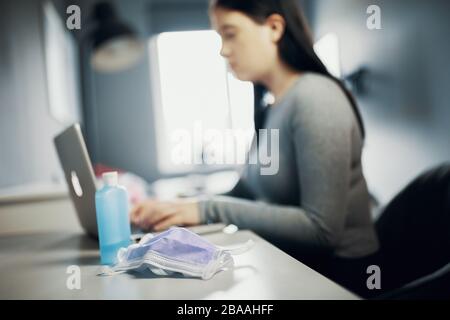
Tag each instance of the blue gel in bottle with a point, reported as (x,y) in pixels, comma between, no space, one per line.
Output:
(114,232)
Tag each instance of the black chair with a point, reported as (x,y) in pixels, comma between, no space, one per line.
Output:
(414,234)
(434,286)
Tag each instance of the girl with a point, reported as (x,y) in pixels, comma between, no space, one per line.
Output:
(316,206)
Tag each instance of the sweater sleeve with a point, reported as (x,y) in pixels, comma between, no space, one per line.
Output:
(320,127)
(240,190)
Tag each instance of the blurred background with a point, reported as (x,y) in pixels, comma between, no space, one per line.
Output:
(171,76)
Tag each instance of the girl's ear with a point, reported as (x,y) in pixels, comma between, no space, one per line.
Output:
(277,25)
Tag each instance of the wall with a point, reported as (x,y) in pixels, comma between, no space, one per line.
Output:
(27,154)
(122,103)
(406,107)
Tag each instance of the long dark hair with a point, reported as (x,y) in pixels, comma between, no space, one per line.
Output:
(295,47)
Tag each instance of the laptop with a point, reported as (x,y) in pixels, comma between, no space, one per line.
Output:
(80,177)
(76,164)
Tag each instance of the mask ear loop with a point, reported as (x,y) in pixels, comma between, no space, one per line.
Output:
(222,261)
(238,248)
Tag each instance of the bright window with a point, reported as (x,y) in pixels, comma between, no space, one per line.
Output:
(194,92)
(327,48)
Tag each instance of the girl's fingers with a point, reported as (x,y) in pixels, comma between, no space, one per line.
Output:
(135,212)
(168,222)
(155,214)
(161,212)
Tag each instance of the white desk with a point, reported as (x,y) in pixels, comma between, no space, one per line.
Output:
(34,261)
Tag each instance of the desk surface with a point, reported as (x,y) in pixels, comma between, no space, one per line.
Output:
(33,265)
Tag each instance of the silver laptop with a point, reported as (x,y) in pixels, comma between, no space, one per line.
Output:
(80,177)
(81,181)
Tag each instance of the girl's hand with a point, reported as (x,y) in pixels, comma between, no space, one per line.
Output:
(157,215)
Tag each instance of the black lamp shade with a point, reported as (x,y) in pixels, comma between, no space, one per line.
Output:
(110,31)
(115,45)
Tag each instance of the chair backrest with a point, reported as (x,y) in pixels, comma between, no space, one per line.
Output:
(414,229)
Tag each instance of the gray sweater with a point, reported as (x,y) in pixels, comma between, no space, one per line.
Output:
(318,199)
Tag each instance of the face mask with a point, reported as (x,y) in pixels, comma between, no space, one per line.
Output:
(176,250)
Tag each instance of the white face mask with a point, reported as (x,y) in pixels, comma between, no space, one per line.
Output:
(177,250)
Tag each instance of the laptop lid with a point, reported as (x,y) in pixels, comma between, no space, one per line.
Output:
(77,167)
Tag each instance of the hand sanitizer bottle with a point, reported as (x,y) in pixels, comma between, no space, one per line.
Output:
(111,203)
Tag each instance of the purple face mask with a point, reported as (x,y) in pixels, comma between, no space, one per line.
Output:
(177,250)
